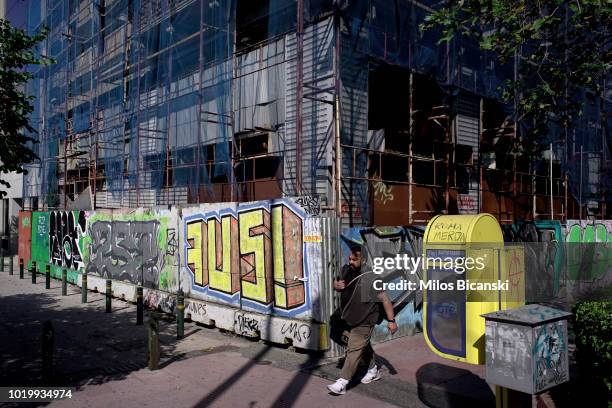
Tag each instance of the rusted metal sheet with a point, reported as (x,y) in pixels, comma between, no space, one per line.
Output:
(390,204)
(426,202)
(265,190)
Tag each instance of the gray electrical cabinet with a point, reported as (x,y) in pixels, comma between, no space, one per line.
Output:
(526,348)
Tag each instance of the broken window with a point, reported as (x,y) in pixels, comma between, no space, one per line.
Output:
(389,97)
(259,20)
(253,161)
(252,144)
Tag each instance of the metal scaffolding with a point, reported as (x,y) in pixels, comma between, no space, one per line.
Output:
(172,102)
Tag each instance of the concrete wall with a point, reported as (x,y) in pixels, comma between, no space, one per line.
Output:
(259,269)
(255,269)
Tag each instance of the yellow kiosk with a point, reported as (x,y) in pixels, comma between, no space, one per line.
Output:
(467,272)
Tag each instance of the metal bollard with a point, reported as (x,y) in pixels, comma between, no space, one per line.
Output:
(108,295)
(153,342)
(1,260)
(33,271)
(20,268)
(11,265)
(64,282)
(48,340)
(180,314)
(84,288)
(48,277)
(139,306)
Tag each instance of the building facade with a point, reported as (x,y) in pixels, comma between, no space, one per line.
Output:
(12,202)
(232,149)
(346,103)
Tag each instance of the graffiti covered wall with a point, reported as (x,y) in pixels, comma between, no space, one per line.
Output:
(125,246)
(258,256)
(137,247)
(251,268)
(588,255)
(568,261)
(57,242)
(385,241)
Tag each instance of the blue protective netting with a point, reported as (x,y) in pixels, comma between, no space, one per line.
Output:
(142,90)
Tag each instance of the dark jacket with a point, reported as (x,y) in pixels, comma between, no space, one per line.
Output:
(358,303)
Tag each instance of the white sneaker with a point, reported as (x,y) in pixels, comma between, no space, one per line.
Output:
(371,375)
(339,387)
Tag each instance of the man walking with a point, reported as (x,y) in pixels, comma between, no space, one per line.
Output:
(360,307)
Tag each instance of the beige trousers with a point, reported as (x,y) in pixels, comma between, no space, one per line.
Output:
(358,348)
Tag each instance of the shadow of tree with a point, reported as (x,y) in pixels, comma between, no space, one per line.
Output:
(90,346)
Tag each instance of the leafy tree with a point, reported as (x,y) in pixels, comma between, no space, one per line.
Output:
(18,50)
(561,49)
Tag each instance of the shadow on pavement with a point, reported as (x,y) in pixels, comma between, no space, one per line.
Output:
(440,385)
(90,346)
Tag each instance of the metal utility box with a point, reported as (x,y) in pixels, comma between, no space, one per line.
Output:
(526,348)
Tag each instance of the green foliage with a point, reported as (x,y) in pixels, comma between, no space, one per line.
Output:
(17,52)
(593,330)
(559,48)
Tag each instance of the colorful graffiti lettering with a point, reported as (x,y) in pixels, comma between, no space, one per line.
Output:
(65,230)
(229,259)
(589,249)
(256,253)
(126,250)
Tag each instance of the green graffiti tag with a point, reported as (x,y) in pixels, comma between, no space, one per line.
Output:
(590,250)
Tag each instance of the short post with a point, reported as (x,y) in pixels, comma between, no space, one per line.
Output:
(139,305)
(64,282)
(48,277)
(180,314)
(84,288)
(108,295)
(48,340)
(21,268)
(33,271)
(153,342)
(11,265)
(1,260)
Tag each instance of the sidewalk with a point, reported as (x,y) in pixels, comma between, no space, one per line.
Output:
(104,356)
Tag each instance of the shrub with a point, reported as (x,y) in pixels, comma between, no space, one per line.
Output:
(593,331)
